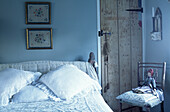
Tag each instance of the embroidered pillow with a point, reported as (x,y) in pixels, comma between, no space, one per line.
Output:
(12,80)
(67,81)
(29,94)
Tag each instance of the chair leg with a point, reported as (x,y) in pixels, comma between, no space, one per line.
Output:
(140,109)
(148,109)
(162,106)
(120,107)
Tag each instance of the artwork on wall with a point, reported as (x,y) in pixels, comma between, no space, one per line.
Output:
(39,38)
(38,13)
(156,34)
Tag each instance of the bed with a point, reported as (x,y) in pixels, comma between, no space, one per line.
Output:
(47,97)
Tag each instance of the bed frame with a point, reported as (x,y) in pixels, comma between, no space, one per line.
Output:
(46,66)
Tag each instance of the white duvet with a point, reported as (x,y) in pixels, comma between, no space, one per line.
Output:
(93,102)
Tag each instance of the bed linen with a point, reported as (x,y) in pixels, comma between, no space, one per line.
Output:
(29,94)
(67,81)
(93,102)
(12,80)
(46,66)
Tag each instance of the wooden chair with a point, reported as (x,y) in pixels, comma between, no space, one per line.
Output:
(160,83)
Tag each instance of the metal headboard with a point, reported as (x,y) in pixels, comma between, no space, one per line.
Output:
(143,65)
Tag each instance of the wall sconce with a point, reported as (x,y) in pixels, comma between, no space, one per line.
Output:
(156,34)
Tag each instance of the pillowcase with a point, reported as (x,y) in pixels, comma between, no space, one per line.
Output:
(46,90)
(12,80)
(67,81)
(29,94)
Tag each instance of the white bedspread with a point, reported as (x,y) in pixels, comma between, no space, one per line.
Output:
(93,102)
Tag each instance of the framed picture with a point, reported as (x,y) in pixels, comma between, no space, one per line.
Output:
(38,12)
(39,38)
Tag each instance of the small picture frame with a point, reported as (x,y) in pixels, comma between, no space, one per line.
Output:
(39,38)
(38,12)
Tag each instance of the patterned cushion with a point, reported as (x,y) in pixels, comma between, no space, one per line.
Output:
(141,100)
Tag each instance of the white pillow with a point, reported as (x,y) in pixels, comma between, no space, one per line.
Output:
(12,80)
(29,94)
(68,80)
(46,90)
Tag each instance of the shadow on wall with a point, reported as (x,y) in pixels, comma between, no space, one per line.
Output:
(79,58)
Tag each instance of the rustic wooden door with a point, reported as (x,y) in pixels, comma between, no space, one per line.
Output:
(121,50)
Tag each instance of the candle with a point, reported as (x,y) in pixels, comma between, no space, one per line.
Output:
(153,12)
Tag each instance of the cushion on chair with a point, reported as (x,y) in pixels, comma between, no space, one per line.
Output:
(140,100)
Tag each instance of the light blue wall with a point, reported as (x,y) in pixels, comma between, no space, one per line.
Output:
(74,24)
(158,51)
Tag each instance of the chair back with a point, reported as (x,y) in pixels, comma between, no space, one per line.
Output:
(159,73)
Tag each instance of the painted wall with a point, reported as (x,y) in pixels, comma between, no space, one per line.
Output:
(158,51)
(74,25)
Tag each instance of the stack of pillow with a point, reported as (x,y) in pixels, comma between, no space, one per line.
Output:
(63,83)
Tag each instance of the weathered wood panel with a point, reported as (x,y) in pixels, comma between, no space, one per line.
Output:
(109,24)
(136,41)
(125,48)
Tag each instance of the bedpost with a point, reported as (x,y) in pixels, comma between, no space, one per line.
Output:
(163,75)
(92,61)
(138,73)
